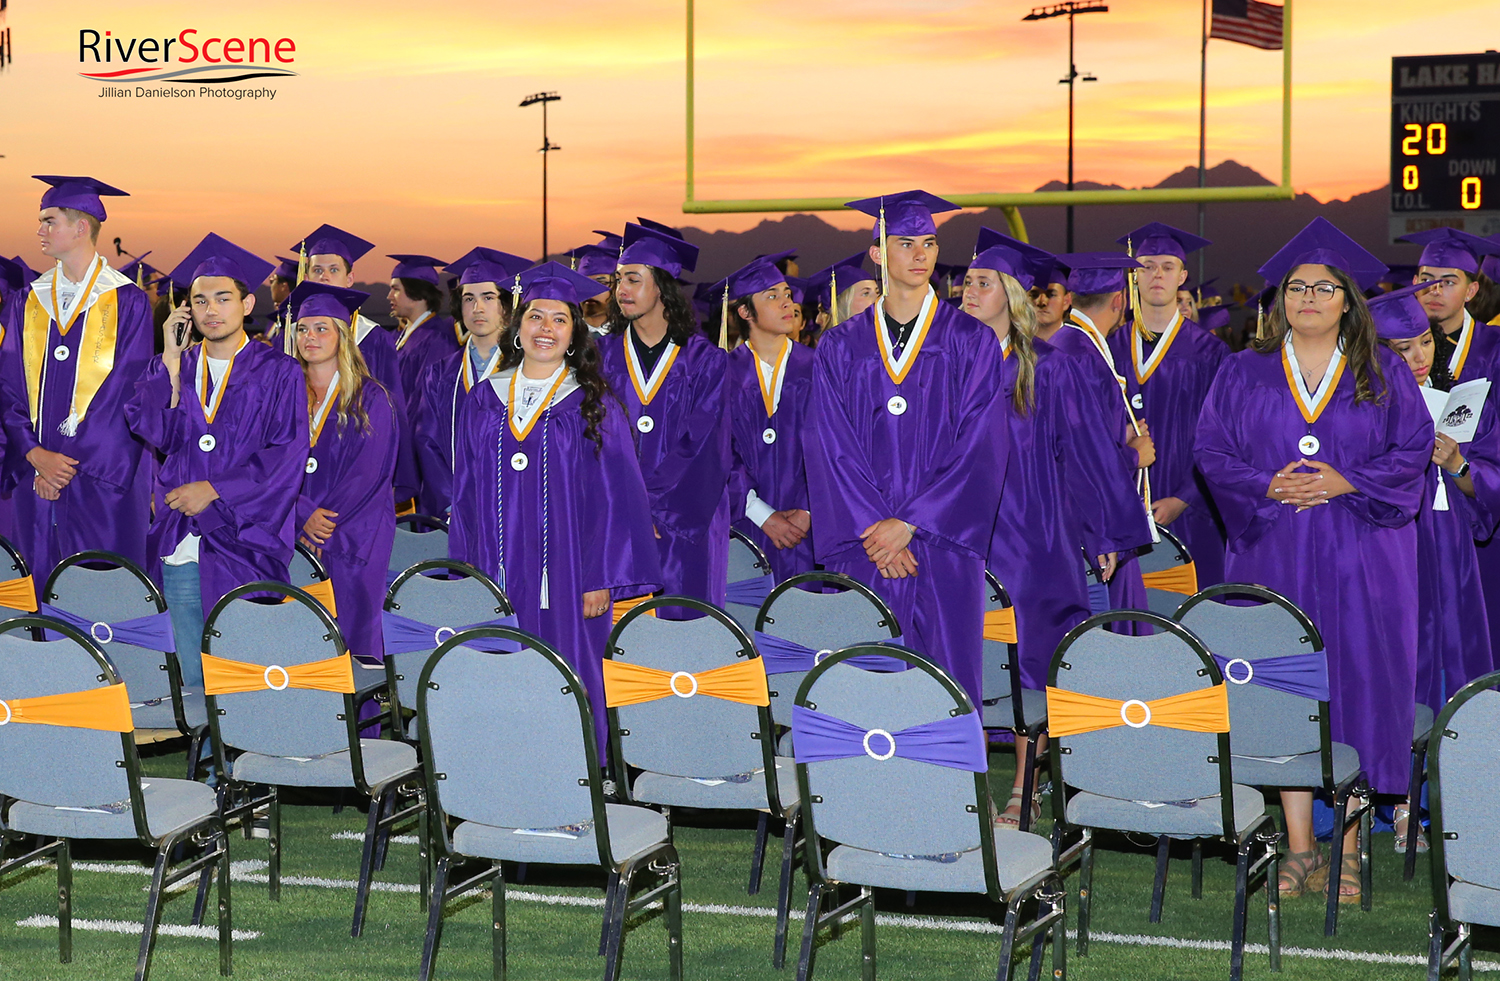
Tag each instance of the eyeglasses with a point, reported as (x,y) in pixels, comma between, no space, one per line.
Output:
(1323,291)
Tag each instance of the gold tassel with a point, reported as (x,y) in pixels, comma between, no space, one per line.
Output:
(724,319)
(140,274)
(833,298)
(1260,320)
(885,278)
(302,263)
(1135,295)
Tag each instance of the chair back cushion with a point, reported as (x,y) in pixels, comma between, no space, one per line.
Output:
(441,602)
(111,596)
(822,622)
(411,547)
(1469,751)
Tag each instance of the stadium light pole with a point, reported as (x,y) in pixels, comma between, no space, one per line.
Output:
(547,147)
(1069,9)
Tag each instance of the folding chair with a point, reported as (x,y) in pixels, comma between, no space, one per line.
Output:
(427,603)
(750,579)
(1271,656)
(693,751)
(514,777)
(1463,770)
(891,771)
(1008,705)
(17,590)
(1168,573)
(1140,743)
(112,600)
(419,538)
(280,688)
(73,773)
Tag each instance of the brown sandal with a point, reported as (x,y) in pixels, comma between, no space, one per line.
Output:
(1301,872)
(1349,878)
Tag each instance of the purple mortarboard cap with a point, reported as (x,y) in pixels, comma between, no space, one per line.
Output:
(1449,248)
(595,260)
(1399,315)
(1097,272)
(311,299)
(1320,243)
(31,274)
(609,240)
(649,247)
(703,298)
(754,277)
(327,240)
(423,267)
(1155,238)
(555,281)
(1035,264)
(78,193)
(839,276)
(286,268)
(138,264)
(1491,267)
(799,288)
(1401,274)
(1008,261)
(1213,317)
(217,256)
(908,213)
(659,226)
(484,265)
(12,277)
(1192,287)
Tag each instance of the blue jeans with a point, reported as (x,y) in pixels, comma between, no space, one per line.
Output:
(180,584)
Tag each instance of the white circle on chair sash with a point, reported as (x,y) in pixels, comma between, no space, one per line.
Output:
(1308,445)
(518,462)
(888,738)
(5,705)
(818,656)
(286,678)
(312,465)
(437,635)
(1249,671)
(109,632)
(1125,718)
(60,353)
(896,405)
(672,684)
(769,436)
(645,424)
(206,442)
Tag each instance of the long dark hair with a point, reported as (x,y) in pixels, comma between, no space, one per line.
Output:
(584,359)
(681,323)
(1356,334)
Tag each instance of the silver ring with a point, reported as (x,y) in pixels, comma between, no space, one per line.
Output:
(1126,719)
(818,656)
(888,737)
(94,632)
(437,634)
(672,684)
(8,715)
(1249,671)
(285,674)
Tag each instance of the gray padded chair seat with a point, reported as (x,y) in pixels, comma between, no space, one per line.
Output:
(631,830)
(170,805)
(672,791)
(1299,771)
(1469,903)
(384,761)
(1019,856)
(1001,716)
(1201,819)
(1422,723)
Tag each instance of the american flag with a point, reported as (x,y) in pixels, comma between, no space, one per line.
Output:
(1248,22)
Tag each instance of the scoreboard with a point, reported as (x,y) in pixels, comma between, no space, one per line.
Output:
(1445,143)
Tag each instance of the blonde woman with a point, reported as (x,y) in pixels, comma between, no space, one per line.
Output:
(344,511)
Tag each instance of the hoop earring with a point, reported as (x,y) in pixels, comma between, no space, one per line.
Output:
(570,352)
(518,342)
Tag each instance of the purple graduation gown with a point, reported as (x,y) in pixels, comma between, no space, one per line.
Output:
(937,465)
(259,452)
(575,509)
(1126,591)
(1168,397)
(1068,487)
(1483,361)
(685,461)
(350,471)
(774,470)
(431,342)
(1351,564)
(378,348)
(441,393)
(107,503)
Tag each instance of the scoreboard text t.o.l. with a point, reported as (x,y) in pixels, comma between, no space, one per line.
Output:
(1445,143)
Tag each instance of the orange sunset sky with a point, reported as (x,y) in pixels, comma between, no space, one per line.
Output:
(403,125)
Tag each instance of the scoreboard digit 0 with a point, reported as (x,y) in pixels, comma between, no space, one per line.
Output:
(1445,143)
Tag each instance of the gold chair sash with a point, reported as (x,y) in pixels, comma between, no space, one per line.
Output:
(18,594)
(1000,625)
(1178,579)
(222,676)
(1070,713)
(632,684)
(322,591)
(622,607)
(106,709)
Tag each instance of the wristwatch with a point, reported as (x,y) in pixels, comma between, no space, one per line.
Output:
(1463,472)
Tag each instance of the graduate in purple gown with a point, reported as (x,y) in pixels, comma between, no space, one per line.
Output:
(344,511)
(74,348)
(672,382)
(548,497)
(1316,444)
(227,418)
(597,262)
(1064,476)
(484,277)
(16,278)
(906,450)
(843,290)
(1096,283)
(1173,361)
(769,389)
(426,336)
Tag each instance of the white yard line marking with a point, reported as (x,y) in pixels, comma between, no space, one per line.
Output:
(359,836)
(127,927)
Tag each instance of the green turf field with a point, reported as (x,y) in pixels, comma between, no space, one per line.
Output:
(554,918)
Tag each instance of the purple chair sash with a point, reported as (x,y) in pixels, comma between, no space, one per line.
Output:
(1304,675)
(749,592)
(1098,598)
(404,635)
(956,742)
(152,632)
(781,656)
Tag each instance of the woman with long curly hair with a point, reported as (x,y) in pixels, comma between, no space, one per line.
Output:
(547,496)
(1315,444)
(344,512)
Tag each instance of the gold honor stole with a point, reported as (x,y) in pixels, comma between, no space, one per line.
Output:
(1143,477)
(1146,367)
(211,396)
(1461,355)
(646,388)
(521,432)
(770,389)
(319,416)
(1070,713)
(224,676)
(1309,405)
(411,329)
(632,684)
(898,368)
(106,709)
(1000,625)
(96,350)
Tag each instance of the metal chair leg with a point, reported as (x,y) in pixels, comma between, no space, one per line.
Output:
(867,935)
(1197,869)
(497,922)
(673,901)
(1434,947)
(810,931)
(1241,888)
(758,853)
(153,910)
(64,901)
(1028,784)
(1413,820)
(1273,902)
(1159,884)
(1085,896)
(435,918)
(610,888)
(616,929)
(1336,864)
(1008,939)
(1366,878)
(273,812)
(784,889)
(367,860)
(226,921)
